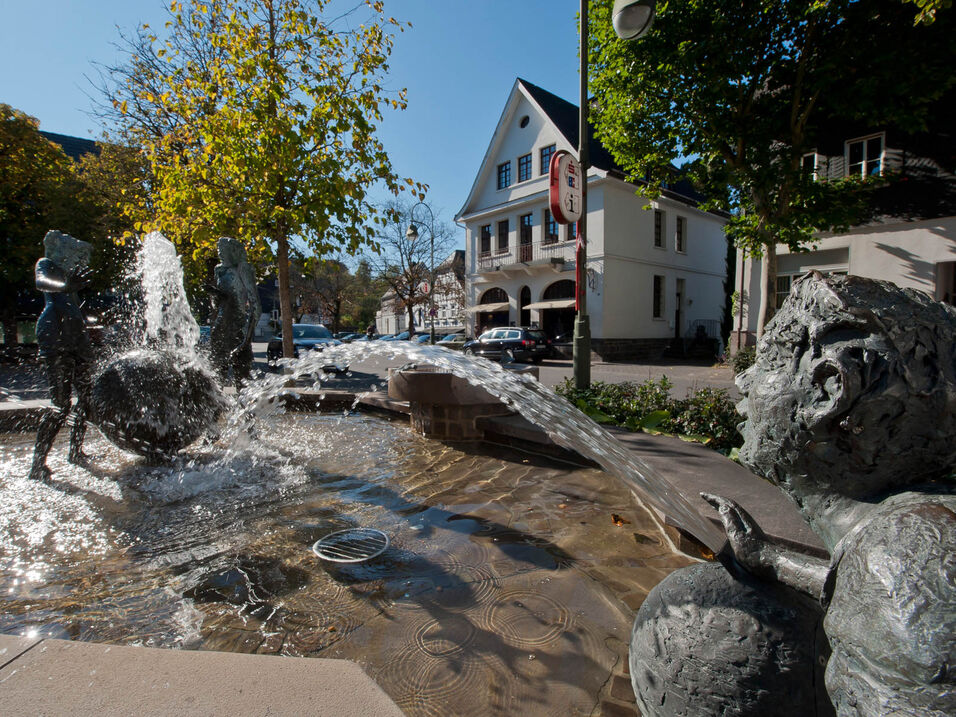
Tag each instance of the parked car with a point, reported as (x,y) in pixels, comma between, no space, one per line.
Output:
(403,336)
(421,338)
(511,344)
(305,337)
(452,341)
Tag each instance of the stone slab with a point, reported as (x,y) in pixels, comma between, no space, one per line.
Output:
(12,646)
(693,468)
(59,677)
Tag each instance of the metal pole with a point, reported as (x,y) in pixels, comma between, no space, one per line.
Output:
(582,330)
(431,289)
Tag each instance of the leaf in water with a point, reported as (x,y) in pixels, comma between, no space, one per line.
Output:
(618,520)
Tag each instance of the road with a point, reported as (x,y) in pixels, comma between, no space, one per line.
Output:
(685,376)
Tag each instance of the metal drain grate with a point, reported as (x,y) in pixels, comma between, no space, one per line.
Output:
(353,545)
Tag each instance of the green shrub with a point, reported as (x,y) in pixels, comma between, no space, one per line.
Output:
(708,412)
(744,359)
(707,415)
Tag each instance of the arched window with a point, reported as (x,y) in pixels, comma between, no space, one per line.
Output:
(563,289)
(524,298)
(494,296)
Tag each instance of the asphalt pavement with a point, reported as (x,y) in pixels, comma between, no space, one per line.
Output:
(685,376)
(27,381)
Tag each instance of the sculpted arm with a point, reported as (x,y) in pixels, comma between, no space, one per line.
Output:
(51,278)
(755,553)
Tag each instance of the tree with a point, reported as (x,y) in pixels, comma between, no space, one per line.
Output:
(745,88)
(33,175)
(368,296)
(259,119)
(105,186)
(404,265)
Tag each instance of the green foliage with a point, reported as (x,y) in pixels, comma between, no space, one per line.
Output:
(744,359)
(747,87)
(35,195)
(706,415)
(259,119)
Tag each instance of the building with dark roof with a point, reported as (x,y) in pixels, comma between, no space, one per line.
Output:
(75,147)
(655,268)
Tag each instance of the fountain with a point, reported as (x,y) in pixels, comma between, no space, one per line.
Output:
(160,396)
(502,570)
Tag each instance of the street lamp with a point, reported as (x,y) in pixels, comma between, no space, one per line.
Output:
(631,19)
(412,234)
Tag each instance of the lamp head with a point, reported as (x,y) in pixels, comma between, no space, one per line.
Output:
(412,232)
(632,18)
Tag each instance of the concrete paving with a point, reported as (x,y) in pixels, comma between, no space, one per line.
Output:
(60,677)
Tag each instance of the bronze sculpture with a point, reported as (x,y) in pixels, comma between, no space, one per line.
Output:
(237,311)
(851,410)
(64,345)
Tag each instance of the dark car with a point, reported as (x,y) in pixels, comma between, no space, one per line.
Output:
(305,337)
(511,344)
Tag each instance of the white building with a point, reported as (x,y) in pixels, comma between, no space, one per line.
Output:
(655,269)
(392,317)
(912,243)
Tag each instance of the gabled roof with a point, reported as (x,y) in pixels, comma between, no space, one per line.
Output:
(75,147)
(564,116)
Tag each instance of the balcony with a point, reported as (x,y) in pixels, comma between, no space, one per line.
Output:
(527,257)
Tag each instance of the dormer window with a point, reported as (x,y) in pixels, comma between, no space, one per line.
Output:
(864,156)
(504,175)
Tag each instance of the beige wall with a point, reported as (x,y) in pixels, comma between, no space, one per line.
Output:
(906,253)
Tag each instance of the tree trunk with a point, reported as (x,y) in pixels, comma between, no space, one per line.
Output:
(411,319)
(768,297)
(285,296)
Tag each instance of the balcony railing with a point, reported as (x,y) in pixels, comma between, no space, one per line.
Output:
(533,254)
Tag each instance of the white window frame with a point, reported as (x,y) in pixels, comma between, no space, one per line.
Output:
(663,297)
(863,165)
(680,235)
(662,235)
(815,174)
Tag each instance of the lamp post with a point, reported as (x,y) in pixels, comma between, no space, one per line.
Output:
(631,19)
(412,234)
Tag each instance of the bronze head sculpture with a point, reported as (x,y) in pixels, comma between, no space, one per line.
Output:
(851,409)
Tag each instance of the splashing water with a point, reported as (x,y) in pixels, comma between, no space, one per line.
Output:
(565,424)
(169,321)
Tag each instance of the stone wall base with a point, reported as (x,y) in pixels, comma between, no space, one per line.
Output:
(453,423)
(628,349)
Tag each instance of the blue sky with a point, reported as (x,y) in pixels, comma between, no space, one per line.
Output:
(458,61)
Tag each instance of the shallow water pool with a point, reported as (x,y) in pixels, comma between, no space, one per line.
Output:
(509,586)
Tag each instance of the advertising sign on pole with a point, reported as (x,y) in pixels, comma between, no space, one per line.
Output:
(565,188)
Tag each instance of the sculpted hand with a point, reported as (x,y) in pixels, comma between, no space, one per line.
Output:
(755,553)
(81,278)
(746,538)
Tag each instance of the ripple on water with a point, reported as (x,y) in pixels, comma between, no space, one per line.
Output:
(484,604)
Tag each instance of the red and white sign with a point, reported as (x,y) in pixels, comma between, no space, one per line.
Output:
(566,187)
